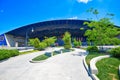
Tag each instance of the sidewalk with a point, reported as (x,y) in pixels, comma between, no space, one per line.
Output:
(60,67)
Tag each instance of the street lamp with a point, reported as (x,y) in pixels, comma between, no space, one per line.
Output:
(26,41)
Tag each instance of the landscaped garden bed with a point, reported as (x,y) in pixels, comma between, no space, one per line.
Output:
(92,55)
(108,68)
(50,54)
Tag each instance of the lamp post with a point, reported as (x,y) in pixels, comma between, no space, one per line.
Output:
(26,40)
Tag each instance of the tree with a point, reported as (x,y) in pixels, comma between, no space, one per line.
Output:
(49,41)
(31,42)
(76,43)
(34,42)
(42,45)
(67,40)
(93,11)
(102,31)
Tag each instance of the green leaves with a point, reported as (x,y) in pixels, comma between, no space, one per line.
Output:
(76,43)
(5,53)
(49,41)
(115,52)
(42,45)
(93,11)
(67,40)
(102,32)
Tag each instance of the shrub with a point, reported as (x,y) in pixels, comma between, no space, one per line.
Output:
(67,40)
(36,42)
(42,45)
(14,52)
(92,49)
(49,41)
(4,53)
(77,43)
(115,52)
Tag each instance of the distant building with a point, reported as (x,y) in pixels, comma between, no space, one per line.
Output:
(19,37)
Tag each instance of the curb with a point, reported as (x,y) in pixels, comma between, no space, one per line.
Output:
(88,70)
(86,66)
(93,69)
(31,61)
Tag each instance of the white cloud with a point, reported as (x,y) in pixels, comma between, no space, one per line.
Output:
(75,17)
(83,1)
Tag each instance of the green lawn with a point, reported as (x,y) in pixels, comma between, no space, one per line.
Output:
(92,55)
(40,57)
(108,69)
(48,54)
(44,56)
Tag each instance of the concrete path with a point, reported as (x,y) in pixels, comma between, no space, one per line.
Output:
(67,66)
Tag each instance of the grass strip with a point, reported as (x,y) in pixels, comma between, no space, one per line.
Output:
(92,55)
(40,57)
(27,52)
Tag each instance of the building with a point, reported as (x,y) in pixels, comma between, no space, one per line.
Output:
(19,37)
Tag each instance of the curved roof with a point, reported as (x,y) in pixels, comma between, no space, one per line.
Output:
(50,28)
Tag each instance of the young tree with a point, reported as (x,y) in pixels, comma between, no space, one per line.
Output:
(102,31)
(34,42)
(31,42)
(49,41)
(67,40)
(76,43)
(42,45)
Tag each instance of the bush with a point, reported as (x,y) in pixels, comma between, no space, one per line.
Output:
(92,49)
(14,52)
(42,45)
(4,53)
(49,41)
(115,52)
(67,40)
(77,43)
(36,42)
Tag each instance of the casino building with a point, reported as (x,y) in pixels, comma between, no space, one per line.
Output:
(19,37)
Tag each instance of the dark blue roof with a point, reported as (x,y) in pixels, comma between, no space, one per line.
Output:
(47,27)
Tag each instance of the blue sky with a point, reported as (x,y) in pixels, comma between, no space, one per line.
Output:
(17,13)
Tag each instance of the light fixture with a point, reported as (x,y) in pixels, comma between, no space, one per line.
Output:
(32,29)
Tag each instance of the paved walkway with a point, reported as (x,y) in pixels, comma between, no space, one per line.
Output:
(60,67)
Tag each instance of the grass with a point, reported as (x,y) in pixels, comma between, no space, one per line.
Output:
(67,50)
(21,53)
(92,55)
(48,54)
(44,56)
(40,57)
(108,68)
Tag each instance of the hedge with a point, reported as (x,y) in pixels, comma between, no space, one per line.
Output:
(115,52)
(92,49)
(4,53)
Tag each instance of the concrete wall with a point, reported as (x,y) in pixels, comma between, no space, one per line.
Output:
(13,41)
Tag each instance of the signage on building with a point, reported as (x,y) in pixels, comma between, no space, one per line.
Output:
(3,40)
